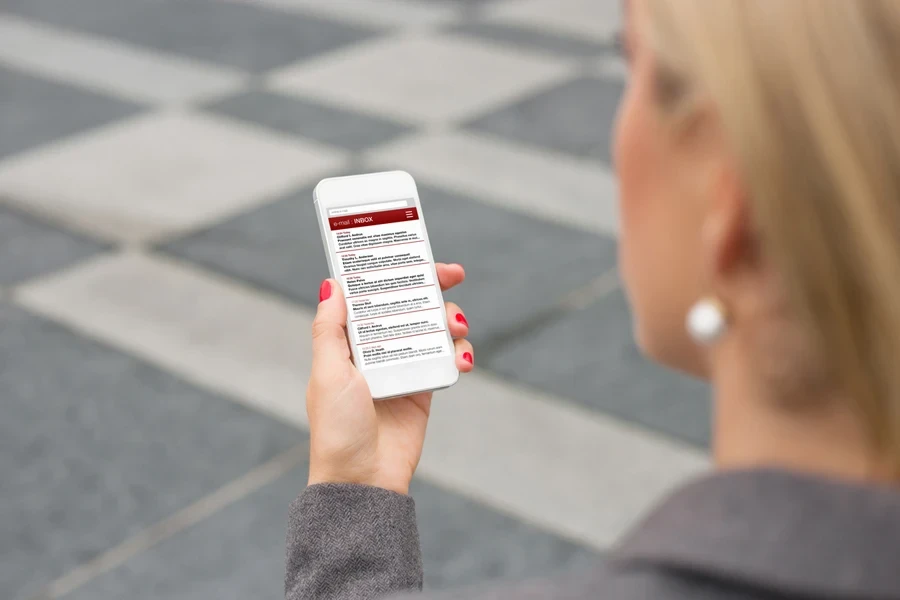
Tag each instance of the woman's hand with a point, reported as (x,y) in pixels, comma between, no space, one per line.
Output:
(352,438)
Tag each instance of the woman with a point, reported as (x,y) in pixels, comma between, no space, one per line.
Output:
(758,155)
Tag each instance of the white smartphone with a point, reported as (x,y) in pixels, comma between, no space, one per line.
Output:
(374,235)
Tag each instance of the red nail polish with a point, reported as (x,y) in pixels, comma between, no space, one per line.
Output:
(461,319)
(325,291)
(467,356)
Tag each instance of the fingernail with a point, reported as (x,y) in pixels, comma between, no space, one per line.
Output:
(325,291)
(461,319)
(467,356)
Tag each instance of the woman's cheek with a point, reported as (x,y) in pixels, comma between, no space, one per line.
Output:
(629,165)
(641,168)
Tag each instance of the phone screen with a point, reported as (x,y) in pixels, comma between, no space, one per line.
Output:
(382,259)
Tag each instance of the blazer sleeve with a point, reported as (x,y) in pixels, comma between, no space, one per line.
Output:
(351,542)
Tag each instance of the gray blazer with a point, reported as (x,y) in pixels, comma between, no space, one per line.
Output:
(740,535)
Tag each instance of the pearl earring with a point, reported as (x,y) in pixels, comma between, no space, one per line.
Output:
(706,321)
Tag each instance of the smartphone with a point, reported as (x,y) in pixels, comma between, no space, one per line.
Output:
(374,235)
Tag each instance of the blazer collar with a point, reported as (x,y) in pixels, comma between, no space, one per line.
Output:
(777,531)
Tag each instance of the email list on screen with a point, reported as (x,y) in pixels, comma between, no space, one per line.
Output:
(381,257)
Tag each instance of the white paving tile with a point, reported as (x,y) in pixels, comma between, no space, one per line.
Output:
(219,335)
(568,469)
(378,13)
(593,20)
(422,80)
(126,71)
(547,185)
(160,174)
(531,455)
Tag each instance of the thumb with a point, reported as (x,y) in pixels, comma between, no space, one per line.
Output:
(329,333)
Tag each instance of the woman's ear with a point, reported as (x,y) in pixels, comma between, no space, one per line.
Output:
(727,241)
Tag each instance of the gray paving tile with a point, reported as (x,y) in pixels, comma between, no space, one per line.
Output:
(575,117)
(36,111)
(238,553)
(238,35)
(459,2)
(589,356)
(469,10)
(86,15)
(464,543)
(308,119)
(589,19)
(30,248)
(95,446)
(517,266)
(532,39)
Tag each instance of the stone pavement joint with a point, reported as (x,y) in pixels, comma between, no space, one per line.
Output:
(592,292)
(202,509)
(577,299)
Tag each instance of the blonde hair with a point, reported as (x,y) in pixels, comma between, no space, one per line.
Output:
(808,92)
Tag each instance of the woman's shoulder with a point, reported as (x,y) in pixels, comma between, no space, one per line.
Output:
(748,535)
(739,535)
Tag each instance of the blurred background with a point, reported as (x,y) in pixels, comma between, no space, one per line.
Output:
(160,261)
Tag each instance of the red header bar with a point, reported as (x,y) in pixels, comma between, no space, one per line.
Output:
(375,218)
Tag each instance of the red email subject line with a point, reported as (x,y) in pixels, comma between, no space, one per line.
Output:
(402,337)
(397,314)
(389,291)
(374,247)
(418,264)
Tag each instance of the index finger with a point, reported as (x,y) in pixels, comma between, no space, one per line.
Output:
(449,275)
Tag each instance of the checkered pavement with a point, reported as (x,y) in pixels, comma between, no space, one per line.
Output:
(159,264)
